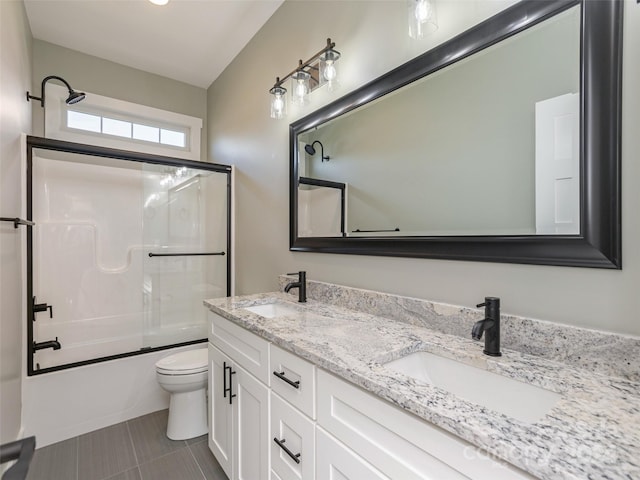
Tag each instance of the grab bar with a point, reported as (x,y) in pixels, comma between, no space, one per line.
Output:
(17,221)
(20,450)
(357,230)
(151,254)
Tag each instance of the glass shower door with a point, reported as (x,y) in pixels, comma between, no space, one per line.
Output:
(185,233)
(124,250)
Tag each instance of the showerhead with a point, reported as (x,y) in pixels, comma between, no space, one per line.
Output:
(74,97)
(312,151)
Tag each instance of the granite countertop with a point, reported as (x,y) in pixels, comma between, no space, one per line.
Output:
(592,432)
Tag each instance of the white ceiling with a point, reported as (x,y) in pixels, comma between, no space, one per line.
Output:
(187,40)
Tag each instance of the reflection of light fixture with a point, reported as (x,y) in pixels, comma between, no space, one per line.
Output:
(422,17)
(74,97)
(309,75)
(312,151)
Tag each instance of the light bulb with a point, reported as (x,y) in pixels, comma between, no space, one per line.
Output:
(329,71)
(278,104)
(422,11)
(301,89)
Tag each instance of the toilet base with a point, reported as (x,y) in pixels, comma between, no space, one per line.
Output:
(187,415)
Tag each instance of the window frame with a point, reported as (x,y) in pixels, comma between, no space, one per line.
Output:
(56,124)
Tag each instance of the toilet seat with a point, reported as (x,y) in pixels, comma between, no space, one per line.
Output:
(184,363)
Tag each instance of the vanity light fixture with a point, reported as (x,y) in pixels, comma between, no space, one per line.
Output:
(74,97)
(159,2)
(307,76)
(422,17)
(312,151)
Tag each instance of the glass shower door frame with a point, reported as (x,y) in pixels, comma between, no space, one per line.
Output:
(124,155)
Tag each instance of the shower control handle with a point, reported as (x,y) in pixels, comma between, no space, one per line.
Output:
(41,307)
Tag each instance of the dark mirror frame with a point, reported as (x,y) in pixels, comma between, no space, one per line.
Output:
(599,242)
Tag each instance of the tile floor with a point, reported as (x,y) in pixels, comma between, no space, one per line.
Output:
(137,449)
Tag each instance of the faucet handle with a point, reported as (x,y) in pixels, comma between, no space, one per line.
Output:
(483,304)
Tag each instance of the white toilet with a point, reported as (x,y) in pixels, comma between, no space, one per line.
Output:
(184,376)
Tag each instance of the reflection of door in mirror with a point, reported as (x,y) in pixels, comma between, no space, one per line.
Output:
(558,165)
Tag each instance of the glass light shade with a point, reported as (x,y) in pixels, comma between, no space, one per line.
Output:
(422,17)
(300,87)
(328,68)
(278,102)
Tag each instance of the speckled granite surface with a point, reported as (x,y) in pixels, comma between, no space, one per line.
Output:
(600,352)
(593,432)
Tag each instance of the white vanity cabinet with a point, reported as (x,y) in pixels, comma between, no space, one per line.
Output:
(238,400)
(277,416)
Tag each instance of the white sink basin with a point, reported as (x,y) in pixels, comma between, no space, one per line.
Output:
(272,310)
(519,400)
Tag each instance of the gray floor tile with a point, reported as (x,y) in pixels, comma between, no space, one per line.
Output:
(177,465)
(207,462)
(105,453)
(133,474)
(59,460)
(201,438)
(149,434)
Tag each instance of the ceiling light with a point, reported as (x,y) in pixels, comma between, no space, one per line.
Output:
(159,2)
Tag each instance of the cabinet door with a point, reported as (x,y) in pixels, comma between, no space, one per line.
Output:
(335,461)
(292,442)
(251,426)
(220,410)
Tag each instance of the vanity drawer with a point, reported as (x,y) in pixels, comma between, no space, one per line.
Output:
(399,444)
(245,348)
(294,458)
(294,379)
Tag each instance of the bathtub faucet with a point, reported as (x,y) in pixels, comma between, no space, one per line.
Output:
(55,344)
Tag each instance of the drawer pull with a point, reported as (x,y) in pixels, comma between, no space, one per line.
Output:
(294,456)
(281,376)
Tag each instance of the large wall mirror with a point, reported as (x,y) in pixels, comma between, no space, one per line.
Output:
(502,144)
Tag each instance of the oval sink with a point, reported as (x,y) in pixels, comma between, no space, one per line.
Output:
(522,401)
(272,310)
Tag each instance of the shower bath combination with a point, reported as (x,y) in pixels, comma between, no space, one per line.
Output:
(124,249)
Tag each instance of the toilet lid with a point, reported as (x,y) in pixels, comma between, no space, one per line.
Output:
(191,361)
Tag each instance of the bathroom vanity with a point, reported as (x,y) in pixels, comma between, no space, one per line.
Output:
(319,391)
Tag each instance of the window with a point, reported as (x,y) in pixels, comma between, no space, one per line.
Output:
(90,122)
(114,123)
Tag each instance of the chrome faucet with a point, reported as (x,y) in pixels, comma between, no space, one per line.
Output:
(301,285)
(490,326)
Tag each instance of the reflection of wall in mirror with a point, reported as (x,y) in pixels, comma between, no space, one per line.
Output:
(319,211)
(463,161)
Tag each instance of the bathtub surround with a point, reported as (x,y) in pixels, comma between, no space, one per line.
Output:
(592,432)
(599,352)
